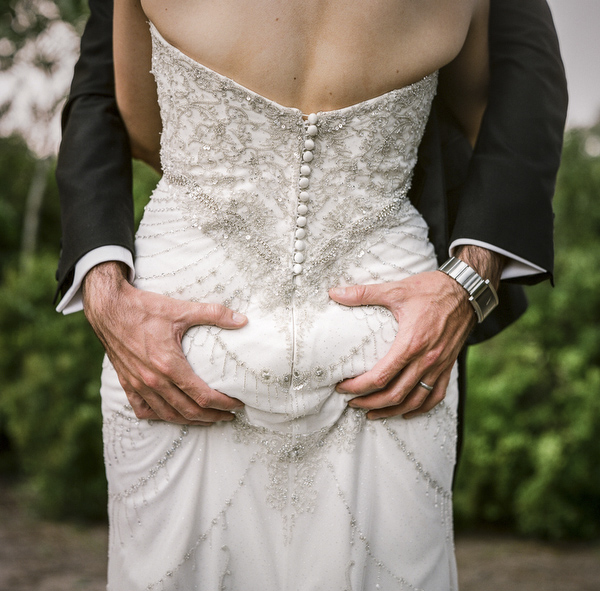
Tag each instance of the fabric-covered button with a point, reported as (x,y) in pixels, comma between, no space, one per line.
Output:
(304,196)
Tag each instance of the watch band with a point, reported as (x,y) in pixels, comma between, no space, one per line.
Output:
(482,295)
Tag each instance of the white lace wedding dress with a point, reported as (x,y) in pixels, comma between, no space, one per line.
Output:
(263,209)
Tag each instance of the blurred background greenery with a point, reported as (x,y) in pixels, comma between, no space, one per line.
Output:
(532,452)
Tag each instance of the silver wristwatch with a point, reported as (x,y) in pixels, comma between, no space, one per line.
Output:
(482,295)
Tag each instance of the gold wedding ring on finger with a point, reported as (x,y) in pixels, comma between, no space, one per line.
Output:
(426,386)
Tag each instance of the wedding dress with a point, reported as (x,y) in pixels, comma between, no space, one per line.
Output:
(263,209)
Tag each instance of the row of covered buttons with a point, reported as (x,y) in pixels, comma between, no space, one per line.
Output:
(304,195)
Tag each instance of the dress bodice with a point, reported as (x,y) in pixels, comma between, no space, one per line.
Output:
(244,160)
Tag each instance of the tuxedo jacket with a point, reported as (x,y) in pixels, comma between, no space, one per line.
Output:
(499,193)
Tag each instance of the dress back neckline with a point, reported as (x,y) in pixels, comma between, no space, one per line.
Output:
(361,105)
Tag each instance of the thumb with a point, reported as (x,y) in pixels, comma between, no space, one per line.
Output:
(213,314)
(359,295)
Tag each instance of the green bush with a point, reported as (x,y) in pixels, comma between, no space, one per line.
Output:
(50,403)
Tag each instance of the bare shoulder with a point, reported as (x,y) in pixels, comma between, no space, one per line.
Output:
(452,21)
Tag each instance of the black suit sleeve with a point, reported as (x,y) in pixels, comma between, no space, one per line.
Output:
(94,163)
(506,199)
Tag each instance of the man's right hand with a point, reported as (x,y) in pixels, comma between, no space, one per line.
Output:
(142,332)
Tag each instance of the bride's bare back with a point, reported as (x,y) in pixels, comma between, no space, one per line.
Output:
(315,55)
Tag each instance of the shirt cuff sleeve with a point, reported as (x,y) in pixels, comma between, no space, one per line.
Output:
(515,265)
(72,301)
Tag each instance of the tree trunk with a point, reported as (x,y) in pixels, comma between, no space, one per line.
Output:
(33,207)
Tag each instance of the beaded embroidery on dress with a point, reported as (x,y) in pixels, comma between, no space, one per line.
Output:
(263,209)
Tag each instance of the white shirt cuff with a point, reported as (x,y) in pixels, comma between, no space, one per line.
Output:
(72,301)
(515,266)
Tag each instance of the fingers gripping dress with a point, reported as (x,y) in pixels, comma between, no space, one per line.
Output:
(263,209)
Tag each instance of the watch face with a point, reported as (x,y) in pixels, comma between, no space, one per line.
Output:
(488,300)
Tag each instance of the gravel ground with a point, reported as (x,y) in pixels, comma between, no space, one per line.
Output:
(43,556)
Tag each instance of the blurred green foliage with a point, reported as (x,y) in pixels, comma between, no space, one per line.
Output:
(531,453)
(49,368)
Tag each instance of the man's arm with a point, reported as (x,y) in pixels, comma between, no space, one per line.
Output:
(507,198)
(141,331)
(505,204)
(94,164)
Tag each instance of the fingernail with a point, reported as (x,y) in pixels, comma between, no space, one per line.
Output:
(339,291)
(341,390)
(238,318)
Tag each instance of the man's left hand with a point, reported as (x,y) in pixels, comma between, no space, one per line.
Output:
(434,319)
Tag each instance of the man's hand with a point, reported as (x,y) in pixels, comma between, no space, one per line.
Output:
(434,318)
(142,332)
